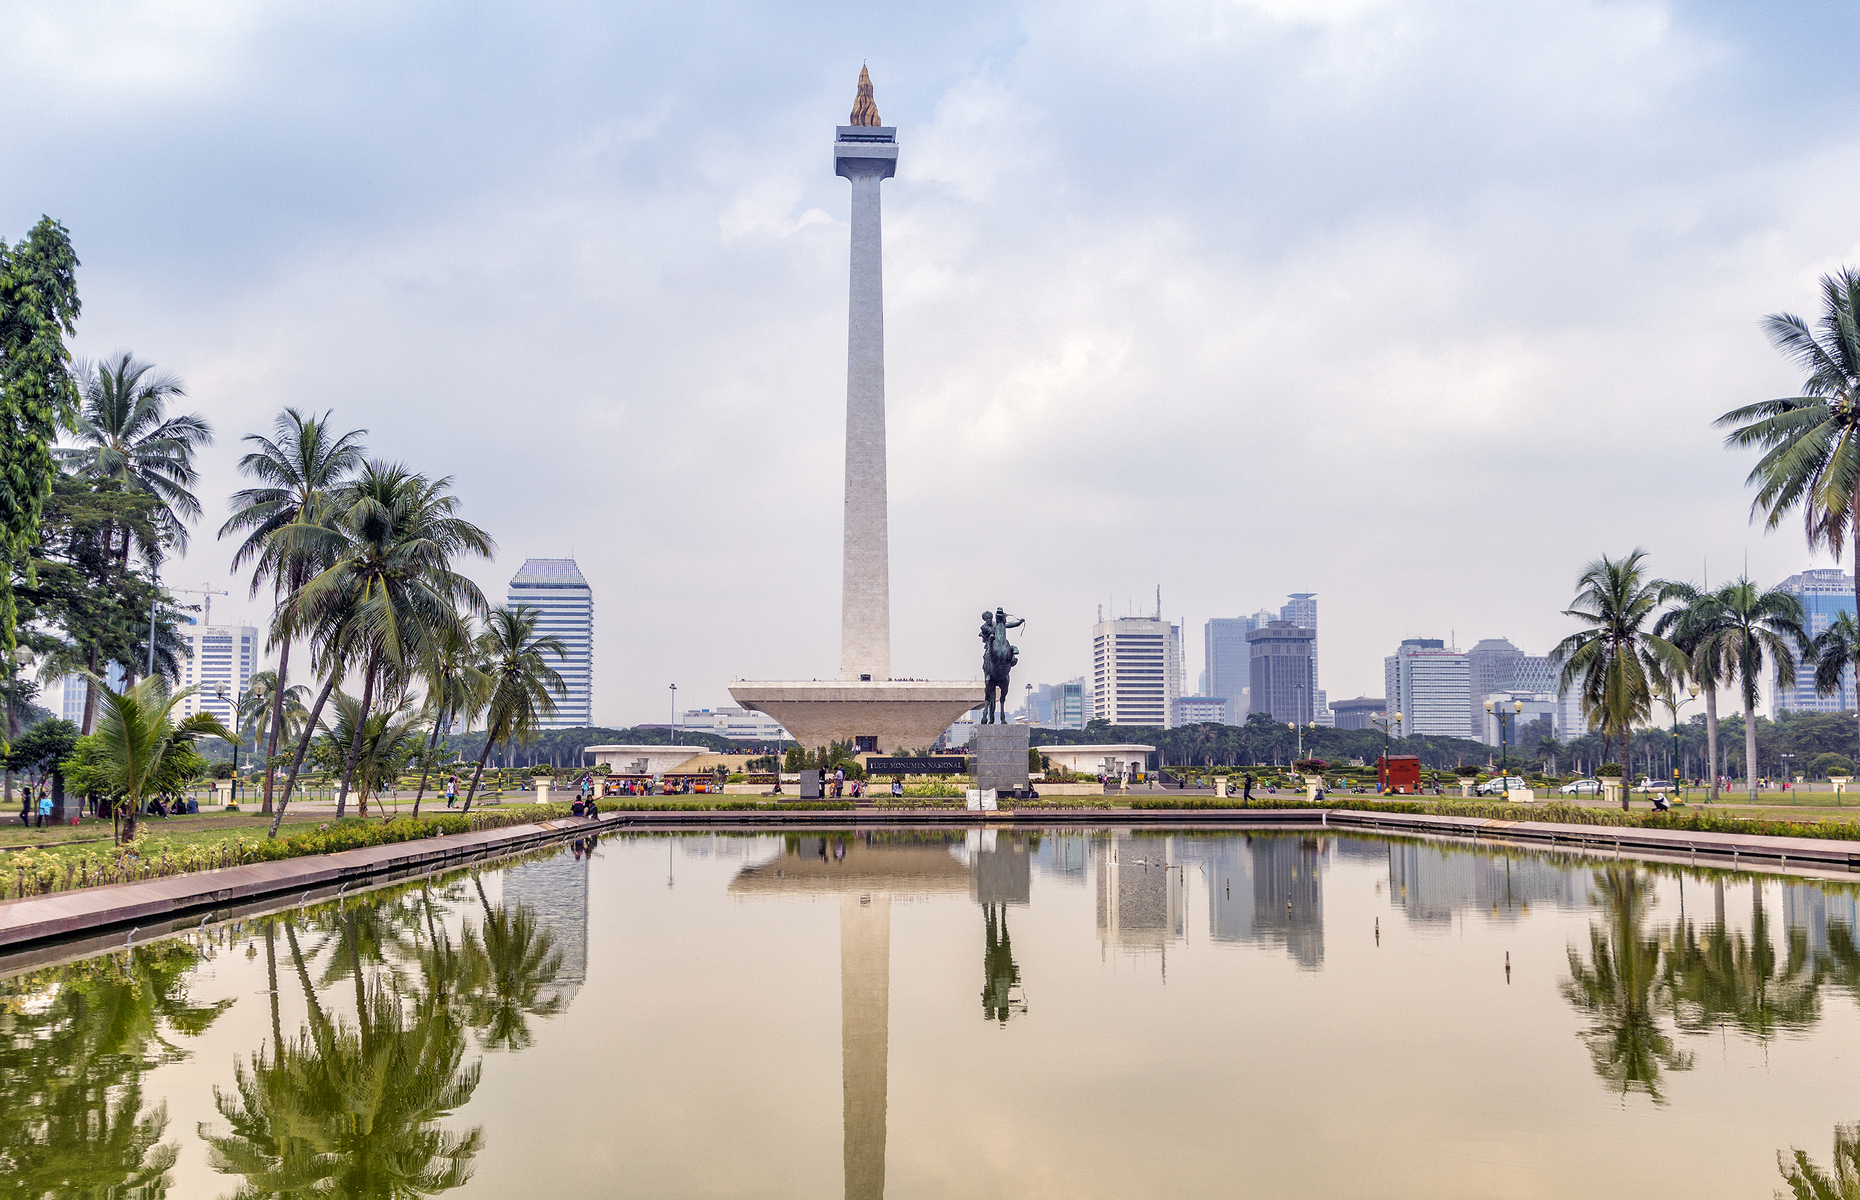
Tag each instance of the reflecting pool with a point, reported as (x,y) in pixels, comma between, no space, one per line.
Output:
(939,1013)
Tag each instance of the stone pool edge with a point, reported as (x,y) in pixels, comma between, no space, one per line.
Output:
(155,907)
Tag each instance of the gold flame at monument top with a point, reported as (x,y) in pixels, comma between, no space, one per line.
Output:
(865,109)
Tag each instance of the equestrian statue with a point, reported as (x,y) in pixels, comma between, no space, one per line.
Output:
(998,658)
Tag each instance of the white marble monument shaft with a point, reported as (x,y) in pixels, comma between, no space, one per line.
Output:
(865,596)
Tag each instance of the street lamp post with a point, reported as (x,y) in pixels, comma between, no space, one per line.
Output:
(671,731)
(1504,747)
(1788,771)
(238,734)
(1673,705)
(1384,722)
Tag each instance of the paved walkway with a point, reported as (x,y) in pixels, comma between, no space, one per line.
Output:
(153,906)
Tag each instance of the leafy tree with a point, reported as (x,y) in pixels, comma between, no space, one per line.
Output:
(524,687)
(1693,623)
(1825,765)
(38,311)
(1617,661)
(1836,654)
(296,469)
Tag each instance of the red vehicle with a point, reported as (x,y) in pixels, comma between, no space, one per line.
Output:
(1399,774)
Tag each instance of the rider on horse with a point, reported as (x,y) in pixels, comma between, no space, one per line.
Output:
(998,658)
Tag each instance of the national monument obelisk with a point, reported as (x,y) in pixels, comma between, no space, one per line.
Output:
(865,706)
(866,153)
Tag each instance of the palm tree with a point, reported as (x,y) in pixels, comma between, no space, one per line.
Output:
(134,736)
(295,469)
(388,738)
(1617,661)
(1697,616)
(456,687)
(1811,442)
(123,433)
(391,583)
(523,687)
(1749,624)
(1837,655)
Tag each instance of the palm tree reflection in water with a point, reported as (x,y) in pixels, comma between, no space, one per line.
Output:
(75,1042)
(1621,988)
(354,1108)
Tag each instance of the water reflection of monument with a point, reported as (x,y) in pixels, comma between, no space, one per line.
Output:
(865,876)
(556,890)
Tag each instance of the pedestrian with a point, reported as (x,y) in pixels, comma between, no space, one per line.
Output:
(25,808)
(452,790)
(45,807)
(1246,790)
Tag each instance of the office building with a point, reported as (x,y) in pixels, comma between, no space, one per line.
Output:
(216,658)
(1283,681)
(1070,704)
(1322,716)
(1203,710)
(1300,608)
(65,695)
(1137,670)
(565,604)
(1490,666)
(1355,714)
(1825,593)
(1428,685)
(1229,662)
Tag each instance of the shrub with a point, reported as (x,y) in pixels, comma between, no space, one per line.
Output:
(1831,764)
(1609,769)
(1310,766)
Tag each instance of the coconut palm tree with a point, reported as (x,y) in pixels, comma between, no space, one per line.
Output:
(457,688)
(391,582)
(1695,617)
(1837,655)
(1811,442)
(295,469)
(123,433)
(1618,661)
(134,736)
(1751,624)
(389,737)
(523,686)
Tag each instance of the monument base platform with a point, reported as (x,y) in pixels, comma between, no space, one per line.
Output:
(1000,757)
(887,717)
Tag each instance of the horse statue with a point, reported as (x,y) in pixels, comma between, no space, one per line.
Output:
(998,658)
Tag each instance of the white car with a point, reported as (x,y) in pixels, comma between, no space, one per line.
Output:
(1501,783)
(1582,787)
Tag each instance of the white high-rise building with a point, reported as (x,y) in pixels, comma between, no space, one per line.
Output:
(1137,671)
(1825,593)
(555,587)
(217,656)
(1429,685)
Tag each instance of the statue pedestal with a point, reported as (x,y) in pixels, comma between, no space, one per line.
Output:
(1000,757)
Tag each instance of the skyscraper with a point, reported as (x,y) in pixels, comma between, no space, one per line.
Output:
(1825,593)
(1136,671)
(1300,608)
(1283,671)
(1428,685)
(1228,661)
(1491,665)
(565,607)
(218,656)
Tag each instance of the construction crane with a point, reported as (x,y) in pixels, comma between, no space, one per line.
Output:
(206,595)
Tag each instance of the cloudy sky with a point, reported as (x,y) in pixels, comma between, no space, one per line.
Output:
(1418,306)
